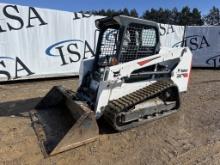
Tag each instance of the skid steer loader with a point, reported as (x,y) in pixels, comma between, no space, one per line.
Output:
(131,80)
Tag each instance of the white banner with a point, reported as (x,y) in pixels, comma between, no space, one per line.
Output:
(38,43)
(204,42)
(49,43)
(170,35)
(43,43)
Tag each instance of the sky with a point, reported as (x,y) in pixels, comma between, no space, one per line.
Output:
(140,5)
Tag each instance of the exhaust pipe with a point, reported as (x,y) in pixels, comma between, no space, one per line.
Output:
(62,123)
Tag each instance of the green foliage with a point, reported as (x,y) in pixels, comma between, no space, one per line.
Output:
(184,17)
(213,18)
(134,13)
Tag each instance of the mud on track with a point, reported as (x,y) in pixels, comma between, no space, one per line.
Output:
(191,136)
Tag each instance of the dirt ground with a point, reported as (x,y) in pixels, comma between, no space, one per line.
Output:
(190,136)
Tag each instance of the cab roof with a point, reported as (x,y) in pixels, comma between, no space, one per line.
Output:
(122,20)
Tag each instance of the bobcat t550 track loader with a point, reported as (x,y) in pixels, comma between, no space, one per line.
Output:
(131,80)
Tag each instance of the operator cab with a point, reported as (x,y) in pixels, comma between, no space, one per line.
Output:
(123,39)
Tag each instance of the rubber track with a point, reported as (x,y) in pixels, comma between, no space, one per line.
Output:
(125,103)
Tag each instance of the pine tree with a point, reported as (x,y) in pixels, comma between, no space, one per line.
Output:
(185,17)
(213,18)
(133,13)
(125,12)
(196,16)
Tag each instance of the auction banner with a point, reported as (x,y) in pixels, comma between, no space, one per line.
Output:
(204,42)
(40,43)
(43,43)
(171,34)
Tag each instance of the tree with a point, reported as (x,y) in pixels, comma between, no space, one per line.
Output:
(110,12)
(161,15)
(133,13)
(174,17)
(185,16)
(164,15)
(151,15)
(169,16)
(196,16)
(125,12)
(213,18)
(188,17)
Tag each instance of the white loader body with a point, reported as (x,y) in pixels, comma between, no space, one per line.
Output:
(113,87)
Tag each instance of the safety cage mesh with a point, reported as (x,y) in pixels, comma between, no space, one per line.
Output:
(109,41)
(139,41)
(108,48)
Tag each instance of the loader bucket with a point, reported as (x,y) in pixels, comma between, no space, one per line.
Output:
(62,123)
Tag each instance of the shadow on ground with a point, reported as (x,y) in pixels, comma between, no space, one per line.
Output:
(18,108)
(21,108)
